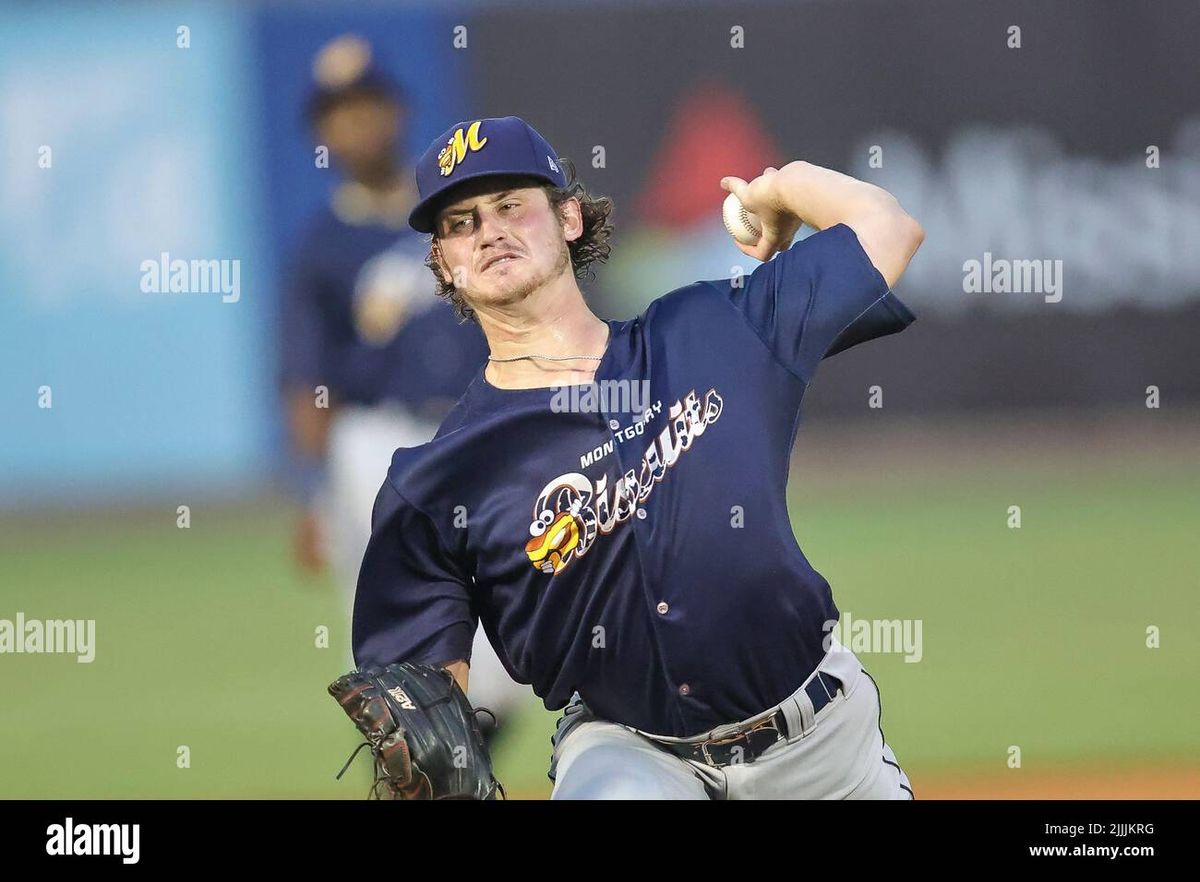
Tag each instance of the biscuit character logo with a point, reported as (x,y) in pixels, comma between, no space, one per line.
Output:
(551,549)
(458,147)
(572,510)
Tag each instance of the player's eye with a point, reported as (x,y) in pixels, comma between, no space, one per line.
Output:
(508,205)
(458,225)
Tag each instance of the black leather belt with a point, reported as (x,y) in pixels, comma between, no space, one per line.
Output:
(746,745)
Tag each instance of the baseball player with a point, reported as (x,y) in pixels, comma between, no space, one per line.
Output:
(372,359)
(608,498)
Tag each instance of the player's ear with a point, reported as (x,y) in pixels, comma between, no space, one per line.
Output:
(449,275)
(435,251)
(570,214)
(321,134)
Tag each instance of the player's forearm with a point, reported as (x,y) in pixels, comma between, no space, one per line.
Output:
(308,430)
(459,670)
(823,198)
(308,424)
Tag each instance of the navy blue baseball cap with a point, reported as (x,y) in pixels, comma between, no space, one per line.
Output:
(343,68)
(477,148)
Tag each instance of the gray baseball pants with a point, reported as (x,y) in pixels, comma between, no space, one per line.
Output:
(840,753)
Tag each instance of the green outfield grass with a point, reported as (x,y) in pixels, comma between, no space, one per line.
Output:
(1032,637)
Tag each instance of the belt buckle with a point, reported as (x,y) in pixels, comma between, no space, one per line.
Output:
(704,745)
(744,735)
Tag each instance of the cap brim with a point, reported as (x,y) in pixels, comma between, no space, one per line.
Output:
(421,218)
(373,84)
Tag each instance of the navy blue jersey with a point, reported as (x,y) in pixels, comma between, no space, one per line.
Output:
(644,559)
(360,315)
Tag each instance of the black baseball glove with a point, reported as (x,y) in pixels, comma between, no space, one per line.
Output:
(422,731)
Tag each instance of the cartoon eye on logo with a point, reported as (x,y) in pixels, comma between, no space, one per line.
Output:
(550,549)
(458,147)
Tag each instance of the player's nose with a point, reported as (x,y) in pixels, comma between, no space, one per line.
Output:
(493,237)
(491,227)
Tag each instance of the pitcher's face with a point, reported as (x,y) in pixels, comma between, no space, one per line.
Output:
(503,240)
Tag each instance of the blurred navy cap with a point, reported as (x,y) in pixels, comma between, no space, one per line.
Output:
(477,148)
(343,67)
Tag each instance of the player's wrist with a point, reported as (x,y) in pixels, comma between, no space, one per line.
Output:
(784,191)
(822,197)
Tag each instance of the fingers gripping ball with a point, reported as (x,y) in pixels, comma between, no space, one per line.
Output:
(422,731)
(742,225)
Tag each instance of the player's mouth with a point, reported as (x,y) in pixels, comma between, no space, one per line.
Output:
(499,260)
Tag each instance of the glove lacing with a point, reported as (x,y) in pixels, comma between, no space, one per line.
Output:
(373,793)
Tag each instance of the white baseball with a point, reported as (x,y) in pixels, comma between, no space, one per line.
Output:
(742,225)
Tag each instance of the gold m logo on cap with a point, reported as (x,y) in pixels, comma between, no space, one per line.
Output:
(458,147)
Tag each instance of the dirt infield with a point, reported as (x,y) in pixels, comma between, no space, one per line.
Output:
(1077,782)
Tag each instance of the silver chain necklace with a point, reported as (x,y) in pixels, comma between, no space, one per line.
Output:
(555,357)
(549,357)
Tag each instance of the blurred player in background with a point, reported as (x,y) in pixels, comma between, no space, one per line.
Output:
(372,359)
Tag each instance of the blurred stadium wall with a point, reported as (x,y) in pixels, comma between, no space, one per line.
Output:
(1080,146)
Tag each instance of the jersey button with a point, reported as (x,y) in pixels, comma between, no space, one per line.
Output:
(684,689)
(662,607)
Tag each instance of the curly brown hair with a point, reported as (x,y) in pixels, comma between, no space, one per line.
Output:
(591,246)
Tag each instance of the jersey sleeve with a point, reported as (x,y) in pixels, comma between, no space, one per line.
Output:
(302,326)
(819,297)
(412,602)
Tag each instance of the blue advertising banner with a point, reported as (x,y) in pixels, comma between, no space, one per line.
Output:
(126,137)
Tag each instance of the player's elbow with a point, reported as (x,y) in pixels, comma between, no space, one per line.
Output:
(890,236)
(915,234)
(909,236)
(912,231)
(901,231)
